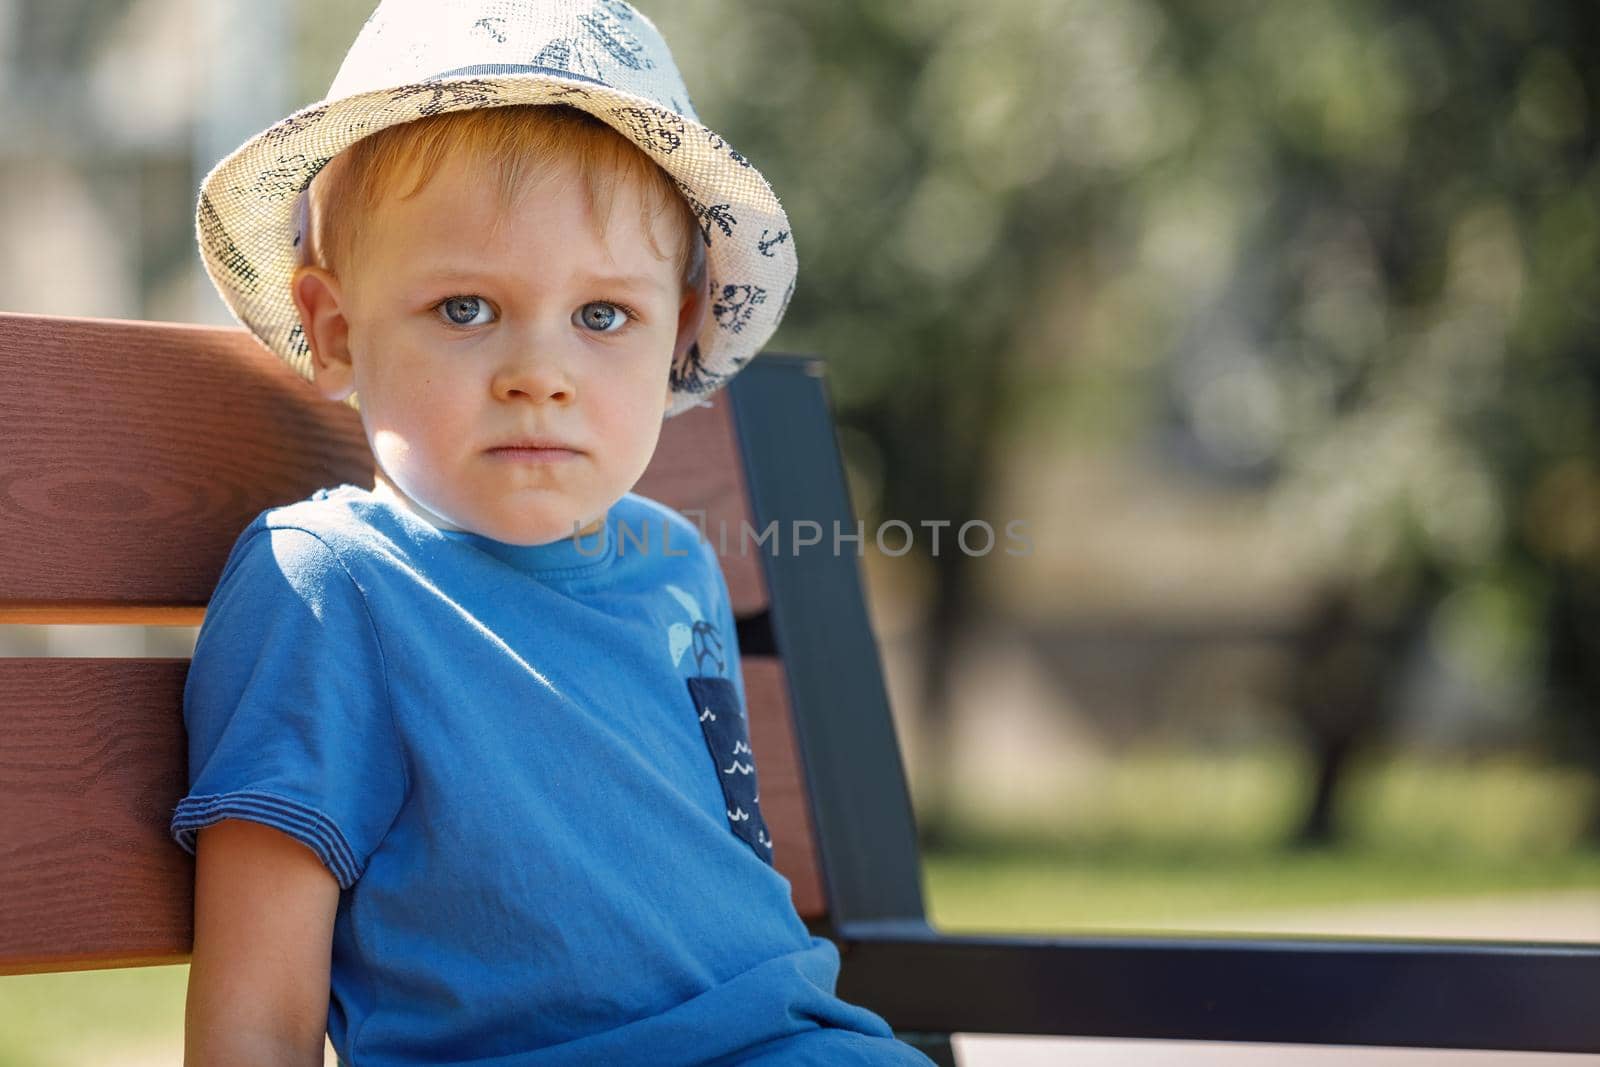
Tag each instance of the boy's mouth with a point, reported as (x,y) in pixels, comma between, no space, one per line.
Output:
(533,448)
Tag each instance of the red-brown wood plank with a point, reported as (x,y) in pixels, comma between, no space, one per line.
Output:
(133,453)
(697,466)
(784,803)
(93,761)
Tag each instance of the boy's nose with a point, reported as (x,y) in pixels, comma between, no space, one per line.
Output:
(532,378)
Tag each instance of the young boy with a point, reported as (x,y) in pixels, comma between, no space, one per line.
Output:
(470,778)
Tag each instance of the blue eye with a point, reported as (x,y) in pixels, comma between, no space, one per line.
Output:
(603,316)
(464,310)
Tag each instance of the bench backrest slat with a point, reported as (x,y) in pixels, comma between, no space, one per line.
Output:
(135,452)
(133,455)
(95,760)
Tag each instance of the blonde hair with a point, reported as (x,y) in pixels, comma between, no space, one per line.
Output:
(516,142)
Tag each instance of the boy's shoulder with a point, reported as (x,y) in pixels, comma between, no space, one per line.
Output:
(338,513)
(345,519)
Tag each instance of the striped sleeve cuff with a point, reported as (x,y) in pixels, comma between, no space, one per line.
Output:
(300,821)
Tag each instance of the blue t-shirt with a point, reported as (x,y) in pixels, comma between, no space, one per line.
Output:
(528,769)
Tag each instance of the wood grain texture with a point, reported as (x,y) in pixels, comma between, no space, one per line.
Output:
(780,773)
(697,466)
(133,453)
(93,762)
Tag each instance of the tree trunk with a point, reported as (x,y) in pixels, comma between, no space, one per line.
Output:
(1350,657)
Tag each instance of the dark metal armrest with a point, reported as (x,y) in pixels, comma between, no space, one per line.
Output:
(1433,993)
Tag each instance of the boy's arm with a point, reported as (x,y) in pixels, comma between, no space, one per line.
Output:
(264,908)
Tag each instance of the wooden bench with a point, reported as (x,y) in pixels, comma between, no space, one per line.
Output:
(131,454)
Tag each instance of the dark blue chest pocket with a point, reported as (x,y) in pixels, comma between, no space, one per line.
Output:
(728,737)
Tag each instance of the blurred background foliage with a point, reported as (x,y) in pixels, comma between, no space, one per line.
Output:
(1326,269)
(1339,256)
(1275,324)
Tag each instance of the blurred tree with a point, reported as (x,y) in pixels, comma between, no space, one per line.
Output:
(1354,244)
(923,229)
(1429,235)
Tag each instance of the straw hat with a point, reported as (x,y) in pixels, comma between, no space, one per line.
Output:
(416,58)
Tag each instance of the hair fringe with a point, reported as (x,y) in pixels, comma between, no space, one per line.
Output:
(517,142)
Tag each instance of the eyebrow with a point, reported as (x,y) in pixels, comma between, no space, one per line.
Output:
(637,281)
(454,274)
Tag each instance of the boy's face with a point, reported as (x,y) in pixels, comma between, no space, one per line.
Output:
(465,330)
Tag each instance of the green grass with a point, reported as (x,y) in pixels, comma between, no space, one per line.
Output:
(1504,806)
(1023,885)
(99,1017)
(1160,838)
(1153,841)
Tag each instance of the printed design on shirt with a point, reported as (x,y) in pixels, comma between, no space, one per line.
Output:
(733,305)
(727,734)
(722,720)
(697,635)
(447,96)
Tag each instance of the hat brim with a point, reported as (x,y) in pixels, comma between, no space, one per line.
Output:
(247,219)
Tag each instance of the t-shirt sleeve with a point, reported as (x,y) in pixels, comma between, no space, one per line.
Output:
(287,706)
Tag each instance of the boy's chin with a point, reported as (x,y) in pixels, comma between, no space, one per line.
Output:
(531,530)
(528,525)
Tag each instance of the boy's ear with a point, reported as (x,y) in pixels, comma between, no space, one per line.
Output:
(691,316)
(319,300)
